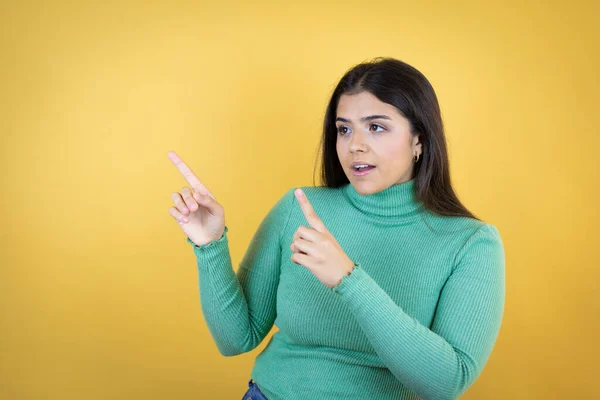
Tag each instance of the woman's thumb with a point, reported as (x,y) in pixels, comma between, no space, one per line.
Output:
(204,199)
(208,202)
(201,198)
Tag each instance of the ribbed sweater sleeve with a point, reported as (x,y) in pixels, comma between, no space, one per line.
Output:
(239,322)
(441,362)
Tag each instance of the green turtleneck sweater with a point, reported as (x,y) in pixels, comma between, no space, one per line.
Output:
(417,317)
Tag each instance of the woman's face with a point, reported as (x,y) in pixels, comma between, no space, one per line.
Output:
(375,133)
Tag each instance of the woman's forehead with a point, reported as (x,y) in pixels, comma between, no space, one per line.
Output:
(364,104)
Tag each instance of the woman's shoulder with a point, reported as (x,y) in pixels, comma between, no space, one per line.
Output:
(461,226)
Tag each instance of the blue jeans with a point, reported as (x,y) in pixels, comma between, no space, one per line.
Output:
(254,392)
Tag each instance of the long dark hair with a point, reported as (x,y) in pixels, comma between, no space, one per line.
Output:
(403,86)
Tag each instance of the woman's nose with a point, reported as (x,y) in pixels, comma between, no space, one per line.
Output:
(357,141)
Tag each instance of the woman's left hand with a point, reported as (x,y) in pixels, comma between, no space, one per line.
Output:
(315,248)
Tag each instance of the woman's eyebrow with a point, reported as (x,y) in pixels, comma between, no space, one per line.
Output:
(363,119)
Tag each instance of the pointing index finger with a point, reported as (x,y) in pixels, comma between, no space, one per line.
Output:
(309,211)
(187,173)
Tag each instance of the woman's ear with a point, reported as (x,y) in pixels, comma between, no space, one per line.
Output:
(416,144)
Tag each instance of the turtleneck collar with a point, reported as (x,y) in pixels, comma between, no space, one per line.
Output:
(397,202)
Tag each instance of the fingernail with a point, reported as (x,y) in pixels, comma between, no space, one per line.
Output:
(299,192)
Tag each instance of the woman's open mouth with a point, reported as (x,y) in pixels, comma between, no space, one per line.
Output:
(362,170)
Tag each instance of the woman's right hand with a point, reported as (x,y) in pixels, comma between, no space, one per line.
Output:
(201,218)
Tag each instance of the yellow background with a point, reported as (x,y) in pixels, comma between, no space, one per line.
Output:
(99,290)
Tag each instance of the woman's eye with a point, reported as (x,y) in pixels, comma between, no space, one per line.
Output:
(341,129)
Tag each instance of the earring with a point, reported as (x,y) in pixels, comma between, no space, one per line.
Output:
(416,158)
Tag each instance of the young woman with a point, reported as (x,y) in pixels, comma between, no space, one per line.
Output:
(382,284)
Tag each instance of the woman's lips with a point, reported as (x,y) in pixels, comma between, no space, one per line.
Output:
(362,171)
